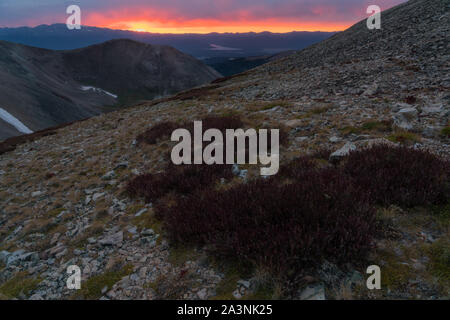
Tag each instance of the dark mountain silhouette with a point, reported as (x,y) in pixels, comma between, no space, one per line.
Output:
(58,37)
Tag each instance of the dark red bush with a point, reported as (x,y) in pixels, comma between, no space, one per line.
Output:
(178,179)
(278,226)
(410,99)
(219,122)
(400,175)
(157,132)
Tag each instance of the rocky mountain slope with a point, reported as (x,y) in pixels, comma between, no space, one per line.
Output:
(63,198)
(43,88)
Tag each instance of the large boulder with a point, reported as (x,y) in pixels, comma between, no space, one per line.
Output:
(406,118)
(342,152)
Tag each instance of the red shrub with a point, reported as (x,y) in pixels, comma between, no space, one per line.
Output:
(400,175)
(179,179)
(157,132)
(220,123)
(278,226)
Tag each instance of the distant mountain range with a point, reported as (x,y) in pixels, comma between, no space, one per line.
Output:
(201,46)
(41,88)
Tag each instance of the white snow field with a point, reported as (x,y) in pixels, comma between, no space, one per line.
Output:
(7,117)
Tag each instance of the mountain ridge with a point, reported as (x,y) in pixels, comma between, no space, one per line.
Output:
(58,37)
(69,85)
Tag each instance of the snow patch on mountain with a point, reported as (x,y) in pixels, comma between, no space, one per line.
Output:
(9,118)
(88,88)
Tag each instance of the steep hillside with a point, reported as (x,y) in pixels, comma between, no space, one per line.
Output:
(134,70)
(43,88)
(66,198)
(37,91)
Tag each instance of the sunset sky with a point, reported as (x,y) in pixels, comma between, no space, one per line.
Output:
(195,16)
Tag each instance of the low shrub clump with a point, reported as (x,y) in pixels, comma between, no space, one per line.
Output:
(178,179)
(157,132)
(280,227)
(309,212)
(163,130)
(218,122)
(400,175)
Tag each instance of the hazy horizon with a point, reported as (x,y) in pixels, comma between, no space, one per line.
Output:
(200,17)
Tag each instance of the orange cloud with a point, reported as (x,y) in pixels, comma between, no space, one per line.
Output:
(159,21)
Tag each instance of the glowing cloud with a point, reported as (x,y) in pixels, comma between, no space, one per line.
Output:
(196,16)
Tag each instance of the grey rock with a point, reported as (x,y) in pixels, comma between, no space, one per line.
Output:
(313,292)
(301,139)
(342,152)
(371,90)
(202,294)
(430,110)
(37,194)
(246,284)
(148,232)
(334,139)
(20,256)
(122,165)
(132,230)
(236,294)
(113,240)
(109,175)
(97,196)
(4,256)
(36,296)
(141,212)
(405,118)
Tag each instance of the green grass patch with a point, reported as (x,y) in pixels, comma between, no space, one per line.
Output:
(228,112)
(368,127)
(179,254)
(440,261)
(20,283)
(269,105)
(350,130)
(55,212)
(92,288)
(132,210)
(313,112)
(233,271)
(319,110)
(383,126)
(446,132)
(395,275)
(442,214)
(148,221)
(404,137)
(263,292)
